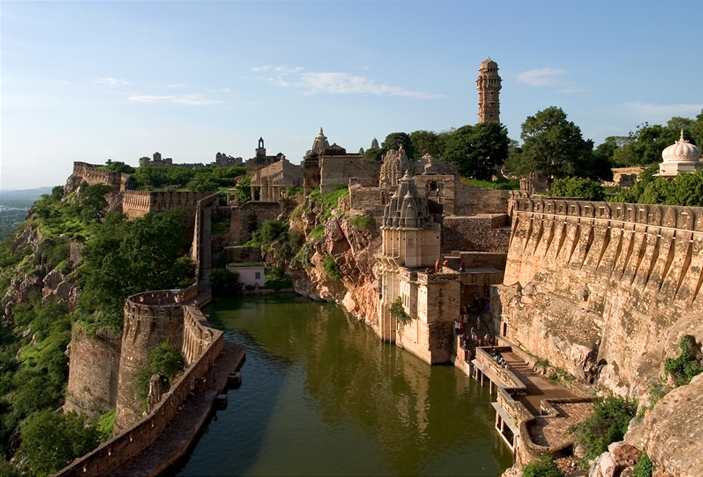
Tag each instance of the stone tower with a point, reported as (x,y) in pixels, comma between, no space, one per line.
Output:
(488,85)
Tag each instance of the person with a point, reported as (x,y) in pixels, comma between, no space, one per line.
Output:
(478,322)
(461,266)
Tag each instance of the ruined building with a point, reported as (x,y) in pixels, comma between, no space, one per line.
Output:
(488,85)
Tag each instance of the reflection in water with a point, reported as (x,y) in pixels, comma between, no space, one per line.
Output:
(323,396)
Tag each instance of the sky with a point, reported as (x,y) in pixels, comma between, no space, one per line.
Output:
(91,81)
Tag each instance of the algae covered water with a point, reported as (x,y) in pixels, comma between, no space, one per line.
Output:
(322,395)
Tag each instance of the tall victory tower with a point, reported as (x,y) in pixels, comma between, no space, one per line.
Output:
(488,87)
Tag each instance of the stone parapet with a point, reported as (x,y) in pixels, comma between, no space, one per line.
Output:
(114,453)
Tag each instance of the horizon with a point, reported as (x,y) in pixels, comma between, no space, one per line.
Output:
(92,81)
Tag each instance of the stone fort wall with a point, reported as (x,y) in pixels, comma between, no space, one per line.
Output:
(604,290)
(249,217)
(92,174)
(138,203)
(335,172)
(478,233)
(117,451)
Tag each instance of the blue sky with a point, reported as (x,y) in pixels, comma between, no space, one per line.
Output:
(91,81)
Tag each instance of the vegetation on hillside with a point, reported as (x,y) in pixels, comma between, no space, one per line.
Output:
(208,178)
(684,368)
(608,424)
(544,467)
(166,360)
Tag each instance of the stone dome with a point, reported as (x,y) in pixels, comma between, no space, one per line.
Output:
(681,151)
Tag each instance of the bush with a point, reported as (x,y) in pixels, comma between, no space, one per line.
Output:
(544,467)
(105,425)
(608,424)
(578,187)
(643,468)
(362,222)
(684,368)
(329,265)
(165,360)
(225,284)
(398,312)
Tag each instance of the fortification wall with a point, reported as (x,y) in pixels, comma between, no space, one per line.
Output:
(480,233)
(92,174)
(90,392)
(249,217)
(150,318)
(472,200)
(122,447)
(371,200)
(335,172)
(604,290)
(138,203)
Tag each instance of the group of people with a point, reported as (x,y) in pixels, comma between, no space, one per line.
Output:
(478,335)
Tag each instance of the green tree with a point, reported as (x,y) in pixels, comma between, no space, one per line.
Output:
(165,360)
(93,204)
(128,257)
(578,187)
(646,144)
(552,146)
(118,166)
(50,441)
(429,142)
(225,284)
(477,150)
(397,139)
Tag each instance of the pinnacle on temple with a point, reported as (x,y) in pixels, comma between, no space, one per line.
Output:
(488,85)
(320,143)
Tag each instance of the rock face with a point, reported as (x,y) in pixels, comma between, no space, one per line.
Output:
(672,432)
(354,252)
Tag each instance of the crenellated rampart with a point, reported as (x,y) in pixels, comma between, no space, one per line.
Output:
(93,174)
(603,290)
(138,203)
(120,449)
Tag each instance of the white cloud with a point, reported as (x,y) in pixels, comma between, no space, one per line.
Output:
(542,77)
(187,99)
(311,83)
(112,81)
(664,110)
(550,77)
(226,90)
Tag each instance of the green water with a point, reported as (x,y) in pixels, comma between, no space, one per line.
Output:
(323,396)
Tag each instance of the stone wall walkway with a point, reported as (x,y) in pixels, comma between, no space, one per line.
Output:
(180,433)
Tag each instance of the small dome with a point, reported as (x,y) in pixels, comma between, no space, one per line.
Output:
(682,151)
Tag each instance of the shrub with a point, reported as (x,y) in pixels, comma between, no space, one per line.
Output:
(643,468)
(398,312)
(578,187)
(362,222)
(105,425)
(544,467)
(224,283)
(684,368)
(607,424)
(165,360)
(329,265)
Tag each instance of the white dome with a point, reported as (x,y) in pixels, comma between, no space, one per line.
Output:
(681,151)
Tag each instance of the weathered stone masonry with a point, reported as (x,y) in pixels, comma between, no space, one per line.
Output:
(604,290)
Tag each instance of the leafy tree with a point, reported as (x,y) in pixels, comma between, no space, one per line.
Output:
(398,312)
(552,146)
(128,257)
(225,284)
(374,155)
(50,441)
(647,143)
(578,187)
(429,142)
(397,139)
(118,166)
(93,203)
(477,150)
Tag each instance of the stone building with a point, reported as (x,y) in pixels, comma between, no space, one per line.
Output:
(270,182)
(488,85)
(158,161)
(261,160)
(680,157)
(224,160)
(411,247)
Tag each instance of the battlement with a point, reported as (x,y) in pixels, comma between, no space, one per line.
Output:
(138,203)
(93,174)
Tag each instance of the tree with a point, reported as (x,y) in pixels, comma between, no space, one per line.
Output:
(93,203)
(552,146)
(646,144)
(50,441)
(397,139)
(429,142)
(578,187)
(477,150)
